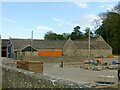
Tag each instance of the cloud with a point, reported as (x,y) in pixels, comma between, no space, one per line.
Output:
(107,6)
(8,20)
(87,21)
(60,6)
(23,29)
(81,4)
(58,0)
(44,28)
(62,22)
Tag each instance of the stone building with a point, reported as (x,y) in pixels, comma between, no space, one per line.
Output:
(37,47)
(98,48)
(4,50)
(55,48)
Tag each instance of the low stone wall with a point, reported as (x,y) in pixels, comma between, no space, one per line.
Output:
(55,59)
(18,78)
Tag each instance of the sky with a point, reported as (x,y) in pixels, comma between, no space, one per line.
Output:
(19,19)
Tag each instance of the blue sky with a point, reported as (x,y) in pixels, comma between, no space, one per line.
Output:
(20,18)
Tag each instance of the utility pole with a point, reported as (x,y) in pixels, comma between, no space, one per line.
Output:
(89,46)
(0,48)
(31,42)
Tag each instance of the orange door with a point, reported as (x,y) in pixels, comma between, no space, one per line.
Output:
(50,53)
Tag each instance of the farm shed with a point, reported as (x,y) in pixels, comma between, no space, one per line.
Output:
(55,48)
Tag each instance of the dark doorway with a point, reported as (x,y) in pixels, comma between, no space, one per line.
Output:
(4,54)
(4,51)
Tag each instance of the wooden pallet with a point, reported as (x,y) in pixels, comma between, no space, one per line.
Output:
(34,66)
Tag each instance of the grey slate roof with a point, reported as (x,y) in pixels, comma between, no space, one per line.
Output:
(91,39)
(57,44)
(28,48)
(93,45)
(5,42)
(20,43)
(38,44)
(48,44)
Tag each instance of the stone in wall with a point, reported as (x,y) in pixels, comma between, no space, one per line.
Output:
(18,78)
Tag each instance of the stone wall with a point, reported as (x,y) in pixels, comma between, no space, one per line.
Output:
(80,55)
(69,48)
(55,59)
(18,78)
(93,52)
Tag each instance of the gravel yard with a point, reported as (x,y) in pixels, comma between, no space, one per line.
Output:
(75,74)
(78,74)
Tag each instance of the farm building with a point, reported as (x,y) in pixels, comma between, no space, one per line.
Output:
(98,48)
(4,50)
(56,48)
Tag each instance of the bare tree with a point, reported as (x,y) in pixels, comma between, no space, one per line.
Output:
(117,8)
